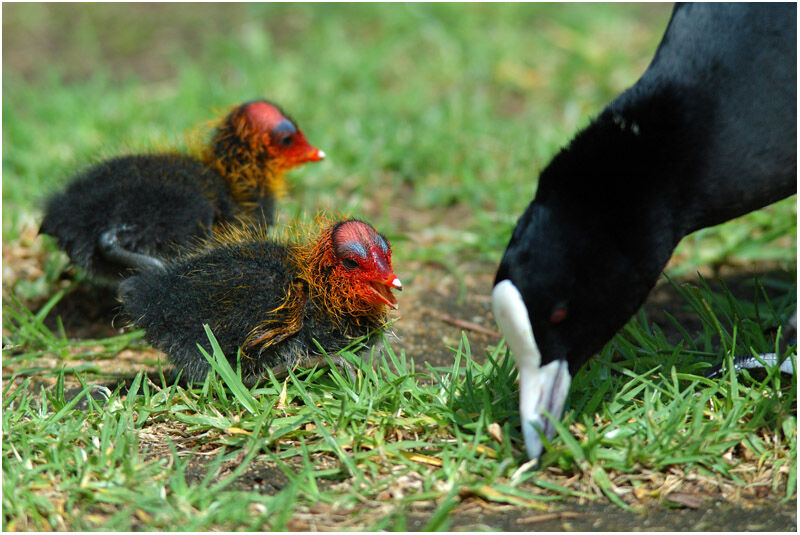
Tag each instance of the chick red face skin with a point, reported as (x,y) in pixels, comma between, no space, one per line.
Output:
(364,260)
(286,144)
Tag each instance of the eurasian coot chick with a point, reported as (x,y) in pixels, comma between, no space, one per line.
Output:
(131,211)
(271,297)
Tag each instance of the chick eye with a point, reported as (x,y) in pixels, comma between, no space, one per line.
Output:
(349,263)
(286,141)
(558,314)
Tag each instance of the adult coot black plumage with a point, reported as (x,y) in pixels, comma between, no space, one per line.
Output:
(708,133)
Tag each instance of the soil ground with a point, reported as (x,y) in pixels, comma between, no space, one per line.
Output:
(434,310)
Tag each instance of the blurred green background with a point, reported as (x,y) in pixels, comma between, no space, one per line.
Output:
(436,118)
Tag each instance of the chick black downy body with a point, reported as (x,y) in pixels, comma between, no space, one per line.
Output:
(261,295)
(132,211)
(147,204)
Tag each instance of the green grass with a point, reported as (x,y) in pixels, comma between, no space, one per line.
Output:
(436,119)
(383,423)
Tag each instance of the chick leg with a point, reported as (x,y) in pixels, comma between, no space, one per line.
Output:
(112,250)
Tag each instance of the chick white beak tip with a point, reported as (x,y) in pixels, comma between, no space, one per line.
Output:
(397,284)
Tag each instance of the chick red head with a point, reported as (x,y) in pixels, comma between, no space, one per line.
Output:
(349,270)
(264,123)
(255,144)
(364,258)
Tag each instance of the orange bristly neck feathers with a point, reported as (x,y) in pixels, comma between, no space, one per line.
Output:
(241,154)
(317,280)
(284,321)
